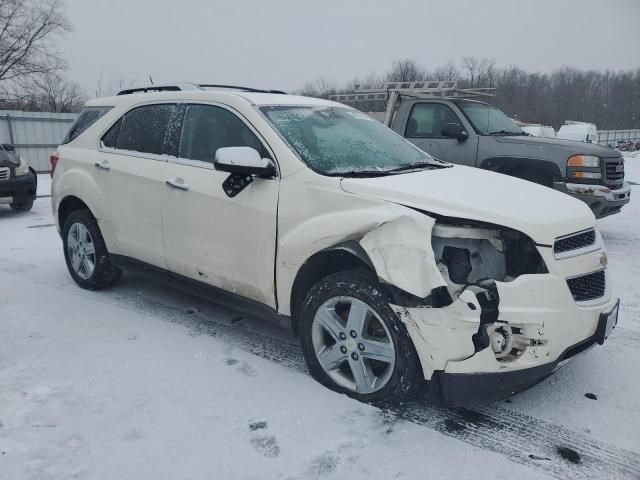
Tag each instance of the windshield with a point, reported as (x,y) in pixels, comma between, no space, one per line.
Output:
(337,140)
(488,120)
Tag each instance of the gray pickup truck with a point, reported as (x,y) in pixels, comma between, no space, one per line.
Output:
(476,134)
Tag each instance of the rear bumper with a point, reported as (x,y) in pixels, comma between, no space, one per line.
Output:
(602,200)
(18,189)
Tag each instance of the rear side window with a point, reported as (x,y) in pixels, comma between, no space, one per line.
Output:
(87,117)
(142,129)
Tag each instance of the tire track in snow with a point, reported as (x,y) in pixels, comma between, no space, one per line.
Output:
(523,439)
(625,337)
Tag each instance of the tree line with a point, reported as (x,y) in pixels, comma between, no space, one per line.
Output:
(32,70)
(610,99)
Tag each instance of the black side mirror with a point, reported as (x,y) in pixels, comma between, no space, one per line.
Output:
(455,130)
(8,147)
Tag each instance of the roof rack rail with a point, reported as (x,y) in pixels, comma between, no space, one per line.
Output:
(161,87)
(188,86)
(388,97)
(244,89)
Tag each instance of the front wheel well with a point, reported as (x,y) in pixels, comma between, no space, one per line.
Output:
(342,257)
(69,205)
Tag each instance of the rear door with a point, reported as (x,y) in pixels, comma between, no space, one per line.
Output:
(226,242)
(424,125)
(130,167)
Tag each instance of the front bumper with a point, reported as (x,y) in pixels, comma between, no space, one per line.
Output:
(602,200)
(19,189)
(540,306)
(464,389)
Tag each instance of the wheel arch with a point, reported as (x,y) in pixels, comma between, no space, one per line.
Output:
(68,205)
(343,256)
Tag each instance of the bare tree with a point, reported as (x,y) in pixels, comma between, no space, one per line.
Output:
(479,71)
(51,92)
(28,30)
(448,72)
(320,87)
(405,70)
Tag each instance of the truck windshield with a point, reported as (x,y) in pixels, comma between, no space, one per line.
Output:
(488,120)
(343,141)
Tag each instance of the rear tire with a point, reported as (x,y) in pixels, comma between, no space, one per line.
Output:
(22,206)
(86,254)
(376,362)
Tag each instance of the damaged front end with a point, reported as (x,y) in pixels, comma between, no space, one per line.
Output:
(493,320)
(472,259)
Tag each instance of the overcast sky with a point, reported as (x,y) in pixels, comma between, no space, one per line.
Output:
(283,43)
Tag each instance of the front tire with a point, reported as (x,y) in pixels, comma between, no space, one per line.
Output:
(22,206)
(353,342)
(86,254)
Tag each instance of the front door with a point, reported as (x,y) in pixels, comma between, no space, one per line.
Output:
(424,129)
(226,242)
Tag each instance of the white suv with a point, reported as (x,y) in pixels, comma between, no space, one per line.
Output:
(390,265)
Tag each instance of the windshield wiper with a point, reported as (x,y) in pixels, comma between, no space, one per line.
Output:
(418,165)
(360,173)
(507,132)
(391,171)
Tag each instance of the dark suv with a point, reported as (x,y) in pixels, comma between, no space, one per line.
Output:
(18,181)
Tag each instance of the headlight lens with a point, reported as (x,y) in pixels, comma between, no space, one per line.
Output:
(586,175)
(578,163)
(23,168)
(584,161)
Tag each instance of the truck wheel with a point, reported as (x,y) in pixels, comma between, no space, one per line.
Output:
(86,254)
(22,206)
(353,342)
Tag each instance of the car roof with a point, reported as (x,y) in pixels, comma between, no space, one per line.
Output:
(251,98)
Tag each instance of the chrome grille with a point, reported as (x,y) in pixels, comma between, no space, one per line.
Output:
(587,287)
(4,173)
(614,170)
(575,241)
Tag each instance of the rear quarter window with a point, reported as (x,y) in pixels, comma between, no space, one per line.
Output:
(87,117)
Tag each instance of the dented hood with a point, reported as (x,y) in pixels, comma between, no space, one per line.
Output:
(471,193)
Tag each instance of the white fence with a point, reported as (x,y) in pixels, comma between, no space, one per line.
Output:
(34,134)
(611,138)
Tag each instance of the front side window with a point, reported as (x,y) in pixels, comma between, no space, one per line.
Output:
(488,120)
(338,140)
(87,117)
(206,128)
(428,119)
(143,129)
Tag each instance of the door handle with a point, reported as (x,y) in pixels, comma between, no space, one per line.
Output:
(103,165)
(178,184)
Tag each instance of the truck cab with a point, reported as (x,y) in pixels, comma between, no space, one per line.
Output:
(476,134)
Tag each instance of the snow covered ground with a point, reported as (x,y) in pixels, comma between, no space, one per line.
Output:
(145,381)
